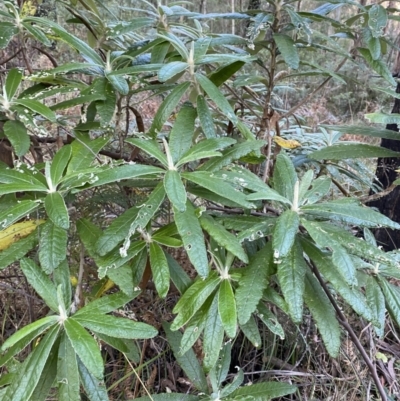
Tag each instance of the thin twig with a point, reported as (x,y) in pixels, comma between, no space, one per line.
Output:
(78,292)
(370,198)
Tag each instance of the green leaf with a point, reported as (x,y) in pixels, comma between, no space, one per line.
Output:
(188,361)
(349,213)
(106,304)
(95,389)
(220,371)
(218,186)
(7,31)
(178,276)
(263,391)
(206,120)
(284,233)
(106,108)
(17,134)
(364,130)
(319,188)
(37,34)
(374,46)
(171,69)
(379,66)
(193,239)
(150,147)
(352,151)
(85,347)
(384,118)
(376,301)
(40,282)
(170,397)
(160,269)
(323,313)
(213,335)
(37,107)
(29,374)
(250,330)
(181,135)
(59,164)
(62,278)
(114,326)
(223,237)
(13,80)
(217,97)
(67,372)
(119,83)
(17,250)
(52,246)
(291,272)
(37,327)
(285,176)
(288,50)
(233,153)
(175,190)
(377,20)
(15,213)
(19,181)
(167,107)
(222,74)
(227,308)
(193,299)
(57,210)
(270,320)
(392,299)
(253,282)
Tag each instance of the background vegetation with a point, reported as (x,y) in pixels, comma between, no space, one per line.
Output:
(183,192)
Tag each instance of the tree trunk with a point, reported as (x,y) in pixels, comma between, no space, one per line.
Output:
(386,173)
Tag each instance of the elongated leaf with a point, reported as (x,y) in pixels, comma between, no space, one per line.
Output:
(67,372)
(160,269)
(284,177)
(17,134)
(227,308)
(264,391)
(344,263)
(29,374)
(170,397)
(319,188)
(57,210)
(291,273)
(52,246)
(192,300)
(253,282)
(175,190)
(367,131)
(206,120)
(188,361)
(220,372)
(349,213)
(59,164)
(7,31)
(376,302)
(150,147)
(192,236)
(14,233)
(270,320)
(171,69)
(352,151)
(14,78)
(85,347)
(37,107)
(106,304)
(234,153)
(392,299)
(284,233)
(15,213)
(114,326)
(288,49)
(377,20)
(178,276)
(220,187)
(250,330)
(269,194)
(223,237)
(213,335)
(181,135)
(40,282)
(95,389)
(323,313)
(167,107)
(17,250)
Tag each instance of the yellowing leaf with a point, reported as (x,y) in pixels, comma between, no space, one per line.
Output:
(286,143)
(28,9)
(17,231)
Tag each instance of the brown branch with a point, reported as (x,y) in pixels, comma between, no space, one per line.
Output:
(7,59)
(370,198)
(48,55)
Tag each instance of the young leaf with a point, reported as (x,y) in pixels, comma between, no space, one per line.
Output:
(52,246)
(40,282)
(291,272)
(323,313)
(85,347)
(67,372)
(285,176)
(284,233)
(160,269)
(59,164)
(57,210)
(13,80)
(288,49)
(192,236)
(227,308)
(17,134)
(213,335)
(188,361)
(62,277)
(181,135)
(175,189)
(223,237)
